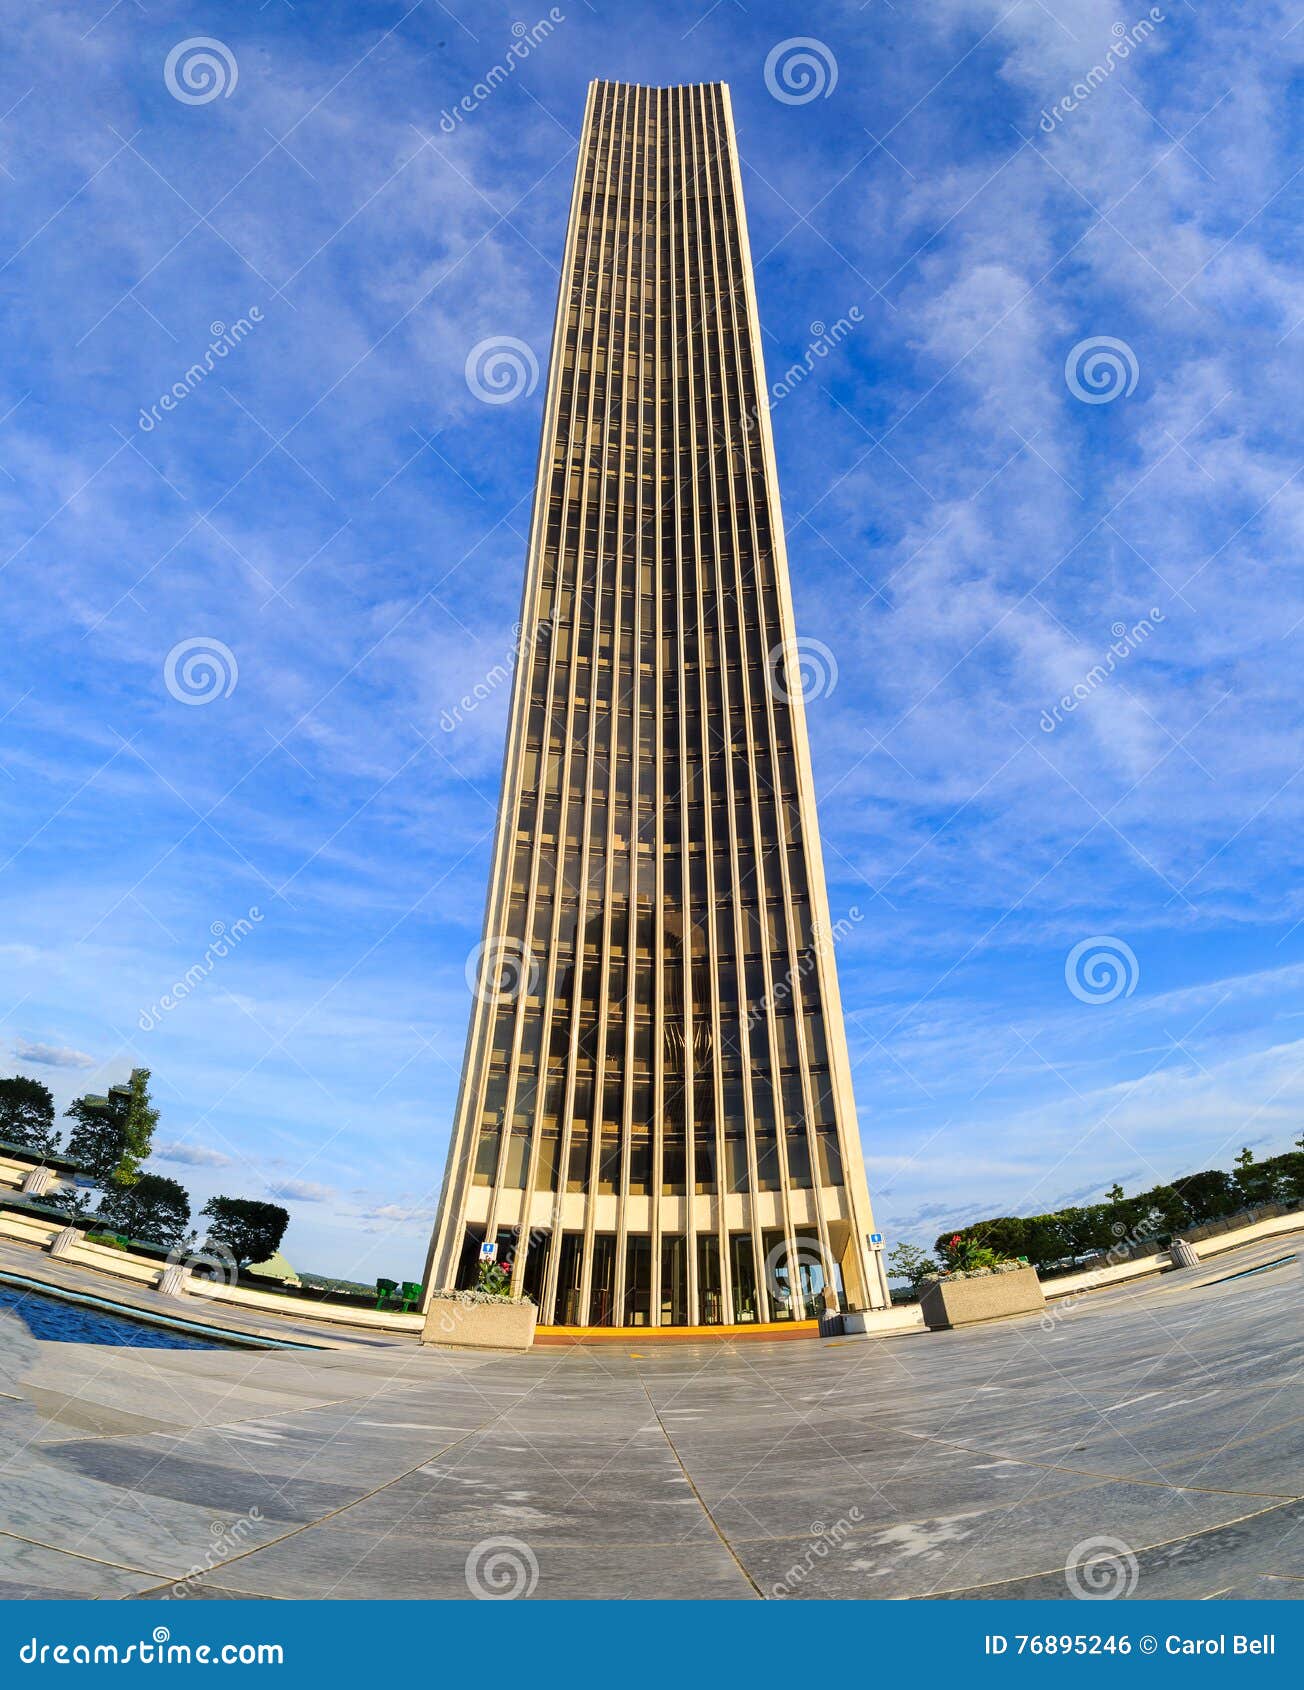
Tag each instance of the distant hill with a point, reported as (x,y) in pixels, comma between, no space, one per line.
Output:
(324,1282)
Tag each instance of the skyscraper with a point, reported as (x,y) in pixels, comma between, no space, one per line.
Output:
(656,1124)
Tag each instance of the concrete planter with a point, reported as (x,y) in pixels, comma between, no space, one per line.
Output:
(958,1302)
(503,1325)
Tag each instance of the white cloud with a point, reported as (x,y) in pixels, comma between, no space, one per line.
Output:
(191,1155)
(301,1191)
(396,1216)
(52,1056)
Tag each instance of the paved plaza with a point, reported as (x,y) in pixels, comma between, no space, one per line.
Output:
(1164,1423)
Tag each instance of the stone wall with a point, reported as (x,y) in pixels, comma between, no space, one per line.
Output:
(959,1302)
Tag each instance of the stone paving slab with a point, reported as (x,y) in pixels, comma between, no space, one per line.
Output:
(1198,1566)
(332,1561)
(30,1572)
(1164,1418)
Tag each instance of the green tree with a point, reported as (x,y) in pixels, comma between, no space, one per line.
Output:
(111,1136)
(1043,1240)
(154,1209)
(140,1119)
(95,1138)
(909,1262)
(1099,1222)
(1079,1229)
(1279,1179)
(70,1203)
(1254,1183)
(1208,1195)
(27,1114)
(1293,1171)
(1168,1207)
(1129,1224)
(1006,1234)
(246,1227)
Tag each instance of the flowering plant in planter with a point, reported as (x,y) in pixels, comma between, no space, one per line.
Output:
(495,1279)
(964,1258)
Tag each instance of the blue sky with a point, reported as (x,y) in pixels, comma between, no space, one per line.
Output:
(336,507)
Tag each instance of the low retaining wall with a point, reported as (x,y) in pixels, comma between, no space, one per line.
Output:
(1098,1279)
(960,1302)
(506,1324)
(125,1264)
(908,1317)
(148,1272)
(17,1170)
(1218,1243)
(267,1302)
(1206,1249)
(28,1229)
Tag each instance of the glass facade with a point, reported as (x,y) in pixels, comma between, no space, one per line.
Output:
(656,1124)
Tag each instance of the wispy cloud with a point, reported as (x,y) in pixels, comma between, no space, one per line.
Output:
(51,1056)
(300,1191)
(190,1155)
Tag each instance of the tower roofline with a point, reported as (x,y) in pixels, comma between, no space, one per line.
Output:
(653,87)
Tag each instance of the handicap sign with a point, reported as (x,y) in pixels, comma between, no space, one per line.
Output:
(876,1238)
(488,1252)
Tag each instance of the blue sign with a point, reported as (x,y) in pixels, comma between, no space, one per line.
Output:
(488,1252)
(876,1238)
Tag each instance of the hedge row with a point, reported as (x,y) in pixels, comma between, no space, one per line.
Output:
(1132,1222)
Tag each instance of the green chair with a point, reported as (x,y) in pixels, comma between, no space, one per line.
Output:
(411,1295)
(385,1289)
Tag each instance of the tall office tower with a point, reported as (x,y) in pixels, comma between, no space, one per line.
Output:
(656,1125)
